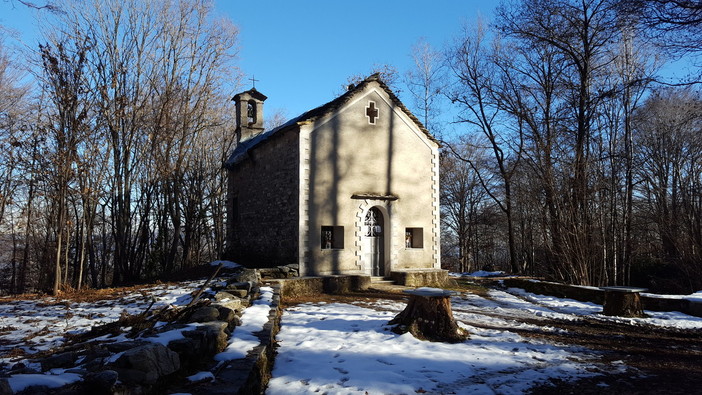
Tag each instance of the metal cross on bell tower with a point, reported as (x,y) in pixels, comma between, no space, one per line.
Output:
(253,81)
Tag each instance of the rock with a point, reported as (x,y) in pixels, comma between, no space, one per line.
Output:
(250,275)
(204,314)
(63,360)
(270,272)
(21,368)
(233,303)
(95,354)
(294,267)
(215,336)
(201,344)
(5,388)
(227,315)
(35,390)
(123,346)
(237,293)
(147,363)
(223,296)
(95,359)
(188,350)
(100,382)
(695,308)
(245,285)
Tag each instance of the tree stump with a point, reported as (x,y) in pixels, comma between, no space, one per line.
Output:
(428,316)
(623,302)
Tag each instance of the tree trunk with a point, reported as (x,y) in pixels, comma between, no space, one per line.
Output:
(623,304)
(429,318)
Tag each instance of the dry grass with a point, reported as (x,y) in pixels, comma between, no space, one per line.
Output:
(85,295)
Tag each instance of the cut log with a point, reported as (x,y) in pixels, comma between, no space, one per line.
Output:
(428,316)
(623,301)
(623,304)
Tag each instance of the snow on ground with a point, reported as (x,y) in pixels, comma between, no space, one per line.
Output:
(40,325)
(51,319)
(570,307)
(22,381)
(349,349)
(253,319)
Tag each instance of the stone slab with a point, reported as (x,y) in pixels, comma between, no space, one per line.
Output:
(421,277)
(430,292)
(620,288)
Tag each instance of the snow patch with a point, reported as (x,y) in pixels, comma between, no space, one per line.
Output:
(201,376)
(225,264)
(20,382)
(342,348)
(253,319)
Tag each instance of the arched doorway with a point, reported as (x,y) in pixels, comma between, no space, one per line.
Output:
(375,236)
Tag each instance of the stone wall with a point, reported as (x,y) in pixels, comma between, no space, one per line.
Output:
(262,204)
(595,295)
(296,287)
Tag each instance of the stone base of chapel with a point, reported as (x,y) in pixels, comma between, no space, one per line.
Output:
(421,277)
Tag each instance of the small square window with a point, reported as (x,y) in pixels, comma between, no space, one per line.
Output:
(332,237)
(414,238)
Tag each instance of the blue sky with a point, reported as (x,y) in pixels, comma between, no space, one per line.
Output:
(302,52)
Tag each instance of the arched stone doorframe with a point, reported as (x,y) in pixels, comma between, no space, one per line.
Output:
(390,244)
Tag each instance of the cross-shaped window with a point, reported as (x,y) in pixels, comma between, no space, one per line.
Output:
(371,112)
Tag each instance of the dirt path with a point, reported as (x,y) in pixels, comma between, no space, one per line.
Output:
(660,360)
(667,361)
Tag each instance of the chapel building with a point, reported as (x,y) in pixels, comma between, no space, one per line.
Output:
(350,187)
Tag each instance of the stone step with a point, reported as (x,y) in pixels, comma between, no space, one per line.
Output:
(381,280)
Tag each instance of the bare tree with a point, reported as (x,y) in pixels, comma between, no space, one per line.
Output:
(277,118)
(580,31)
(677,23)
(159,73)
(47,5)
(425,83)
(64,81)
(670,173)
(13,105)
(475,72)
(463,201)
(387,73)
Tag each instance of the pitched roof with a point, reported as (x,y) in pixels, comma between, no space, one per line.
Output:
(253,93)
(243,148)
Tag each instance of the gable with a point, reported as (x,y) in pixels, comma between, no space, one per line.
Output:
(328,111)
(375,110)
(354,150)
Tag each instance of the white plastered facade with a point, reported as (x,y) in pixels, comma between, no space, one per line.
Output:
(349,165)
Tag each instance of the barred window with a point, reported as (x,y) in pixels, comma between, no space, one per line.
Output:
(414,238)
(332,237)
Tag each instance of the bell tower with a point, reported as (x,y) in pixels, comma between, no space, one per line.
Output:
(249,114)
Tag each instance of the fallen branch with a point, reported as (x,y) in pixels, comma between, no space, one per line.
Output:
(202,288)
